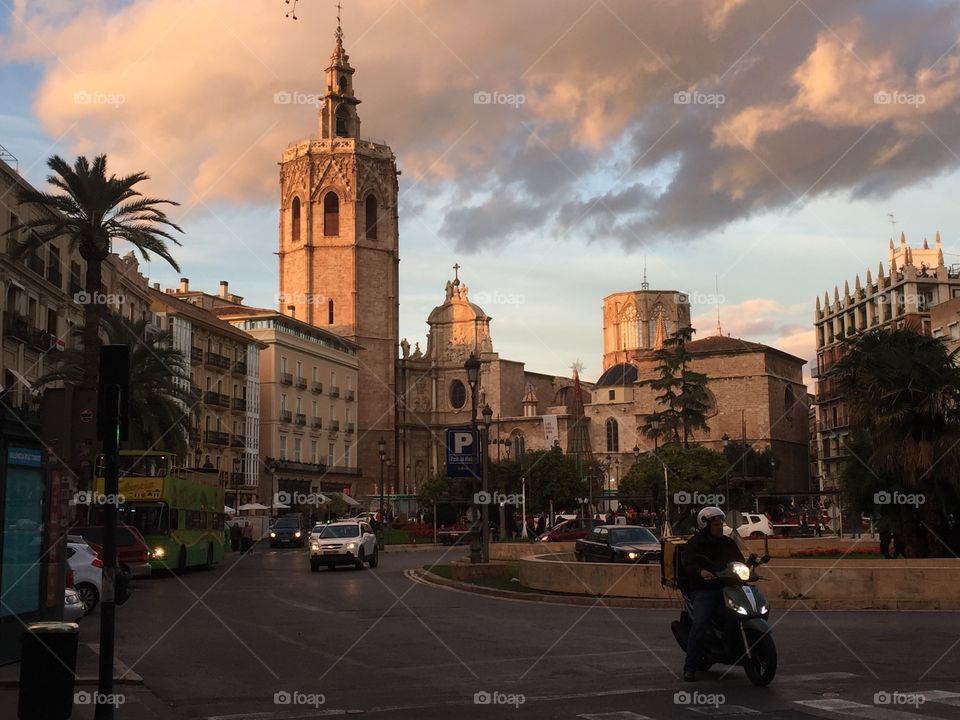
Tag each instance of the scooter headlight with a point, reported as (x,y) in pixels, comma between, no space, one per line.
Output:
(739,609)
(741,570)
(763,609)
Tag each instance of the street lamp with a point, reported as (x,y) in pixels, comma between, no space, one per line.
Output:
(655,425)
(726,444)
(485,530)
(381,449)
(472,367)
(616,465)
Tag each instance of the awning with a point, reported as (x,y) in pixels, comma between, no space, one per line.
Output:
(253,506)
(229,510)
(349,500)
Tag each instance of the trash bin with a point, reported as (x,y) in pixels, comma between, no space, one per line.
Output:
(47,670)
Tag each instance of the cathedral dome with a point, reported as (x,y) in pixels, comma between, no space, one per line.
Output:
(619,374)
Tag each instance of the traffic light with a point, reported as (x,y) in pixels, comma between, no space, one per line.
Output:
(113,392)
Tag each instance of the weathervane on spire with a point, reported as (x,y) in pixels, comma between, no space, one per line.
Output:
(339,33)
(644,285)
(577,368)
(292,12)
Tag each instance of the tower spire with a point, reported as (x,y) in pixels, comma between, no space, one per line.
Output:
(644,285)
(338,109)
(716,284)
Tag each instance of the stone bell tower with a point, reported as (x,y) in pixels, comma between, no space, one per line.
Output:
(339,253)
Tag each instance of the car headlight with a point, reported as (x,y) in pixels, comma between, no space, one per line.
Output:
(297,534)
(351,546)
(159,553)
(272,534)
(739,609)
(315,546)
(633,555)
(741,571)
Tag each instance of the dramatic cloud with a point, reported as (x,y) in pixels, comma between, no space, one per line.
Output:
(594,120)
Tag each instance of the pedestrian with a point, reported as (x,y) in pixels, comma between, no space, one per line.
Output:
(541,524)
(235,536)
(246,539)
(885,529)
(899,544)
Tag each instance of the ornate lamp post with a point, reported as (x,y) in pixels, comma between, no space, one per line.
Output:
(485,530)
(381,448)
(472,367)
(726,444)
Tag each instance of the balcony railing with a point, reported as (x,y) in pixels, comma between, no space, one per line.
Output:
(16,327)
(316,387)
(351,428)
(196,355)
(218,361)
(334,425)
(286,378)
(55,276)
(193,434)
(301,419)
(301,383)
(240,367)
(35,264)
(351,395)
(215,437)
(342,470)
(214,398)
(334,391)
(74,287)
(316,422)
(286,416)
(239,404)
(238,440)
(236,478)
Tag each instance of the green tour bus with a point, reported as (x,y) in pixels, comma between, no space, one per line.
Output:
(179,511)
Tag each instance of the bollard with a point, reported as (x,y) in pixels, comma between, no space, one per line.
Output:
(48,667)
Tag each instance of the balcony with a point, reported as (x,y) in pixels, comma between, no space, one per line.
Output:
(35,264)
(240,404)
(196,356)
(301,383)
(342,470)
(196,392)
(316,387)
(351,428)
(214,398)
(238,441)
(240,368)
(286,378)
(316,423)
(286,416)
(334,426)
(74,287)
(193,434)
(55,276)
(334,391)
(15,327)
(221,362)
(301,419)
(236,479)
(351,395)
(214,437)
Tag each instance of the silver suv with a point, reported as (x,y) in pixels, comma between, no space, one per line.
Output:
(350,542)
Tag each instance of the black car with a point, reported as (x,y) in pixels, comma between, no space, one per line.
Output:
(619,543)
(288,530)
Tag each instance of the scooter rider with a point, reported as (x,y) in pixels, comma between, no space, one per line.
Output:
(704,554)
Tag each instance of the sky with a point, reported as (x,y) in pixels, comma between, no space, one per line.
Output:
(747,152)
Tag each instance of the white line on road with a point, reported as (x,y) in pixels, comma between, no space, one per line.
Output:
(847,708)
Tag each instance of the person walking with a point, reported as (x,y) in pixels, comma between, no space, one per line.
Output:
(235,536)
(246,537)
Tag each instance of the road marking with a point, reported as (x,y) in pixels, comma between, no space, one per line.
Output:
(621,715)
(852,709)
(940,696)
(817,677)
(725,710)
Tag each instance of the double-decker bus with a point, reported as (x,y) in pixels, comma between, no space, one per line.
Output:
(179,511)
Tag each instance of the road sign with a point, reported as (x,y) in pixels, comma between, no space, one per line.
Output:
(462,444)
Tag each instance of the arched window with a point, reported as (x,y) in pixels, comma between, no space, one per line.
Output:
(613,436)
(330,312)
(331,214)
(519,447)
(371,217)
(343,122)
(628,329)
(295,220)
(789,399)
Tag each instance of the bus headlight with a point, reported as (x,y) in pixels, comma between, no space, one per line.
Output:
(159,553)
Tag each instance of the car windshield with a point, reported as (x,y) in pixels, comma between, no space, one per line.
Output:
(285,524)
(340,531)
(632,535)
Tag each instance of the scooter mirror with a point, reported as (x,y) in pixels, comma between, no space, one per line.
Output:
(765,559)
(752,560)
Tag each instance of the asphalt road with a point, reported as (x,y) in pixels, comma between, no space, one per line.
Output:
(227,643)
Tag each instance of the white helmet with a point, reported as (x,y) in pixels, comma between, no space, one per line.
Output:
(704,516)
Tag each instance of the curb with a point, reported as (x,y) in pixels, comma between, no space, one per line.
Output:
(122,675)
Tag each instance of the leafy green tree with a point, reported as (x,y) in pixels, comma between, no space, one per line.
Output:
(903,391)
(453,496)
(553,476)
(684,395)
(91,211)
(745,462)
(161,404)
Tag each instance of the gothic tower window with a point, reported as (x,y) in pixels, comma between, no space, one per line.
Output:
(295,220)
(613,436)
(343,122)
(519,447)
(371,213)
(331,214)
(330,312)
(628,329)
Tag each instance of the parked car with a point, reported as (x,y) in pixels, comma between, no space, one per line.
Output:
(133,555)
(87,570)
(288,530)
(754,525)
(569,530)
(72,605)
(619,543)
(349,542)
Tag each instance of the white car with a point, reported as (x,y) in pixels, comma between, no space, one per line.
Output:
(72,605)
(754,525)
(87,569)
(349,542)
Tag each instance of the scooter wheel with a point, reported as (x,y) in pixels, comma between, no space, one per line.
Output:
(761,666)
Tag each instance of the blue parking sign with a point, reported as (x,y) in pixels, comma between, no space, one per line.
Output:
(462,455)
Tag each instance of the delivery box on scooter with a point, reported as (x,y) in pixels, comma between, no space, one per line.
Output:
(671,561)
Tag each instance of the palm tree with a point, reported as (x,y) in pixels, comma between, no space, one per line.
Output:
(903,391)
(91,211)
(161,404)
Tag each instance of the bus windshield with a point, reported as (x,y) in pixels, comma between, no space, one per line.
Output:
(137,465)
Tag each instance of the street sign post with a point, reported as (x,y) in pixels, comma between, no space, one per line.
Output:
(462,453)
